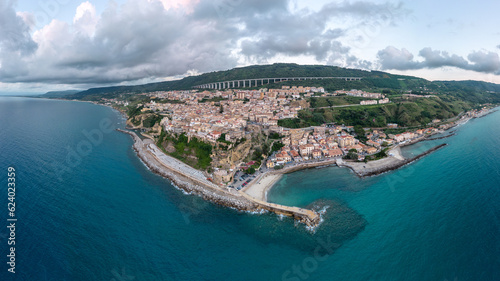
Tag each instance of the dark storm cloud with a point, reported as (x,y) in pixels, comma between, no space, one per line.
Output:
(140,39)
(270,46)
(480,61)
(289,34)
(306,33)
(131,42)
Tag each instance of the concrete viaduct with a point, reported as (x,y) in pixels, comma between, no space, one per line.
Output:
(260,82)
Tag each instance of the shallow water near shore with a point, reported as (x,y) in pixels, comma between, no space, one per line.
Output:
(111,218)
(435,219)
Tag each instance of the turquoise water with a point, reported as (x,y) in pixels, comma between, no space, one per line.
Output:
(105,216)
(436,219)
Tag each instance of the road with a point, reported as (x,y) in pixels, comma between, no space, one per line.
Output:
(177,165)
(346,105)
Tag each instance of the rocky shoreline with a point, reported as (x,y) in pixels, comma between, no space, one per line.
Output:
(230,198)
(189,185)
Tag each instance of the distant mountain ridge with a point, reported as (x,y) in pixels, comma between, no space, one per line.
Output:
(60,94)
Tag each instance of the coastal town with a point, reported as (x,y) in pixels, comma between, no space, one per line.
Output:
(231,146)
(292,140)
(232,116)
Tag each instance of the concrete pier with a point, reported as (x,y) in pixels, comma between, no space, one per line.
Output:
(309,217)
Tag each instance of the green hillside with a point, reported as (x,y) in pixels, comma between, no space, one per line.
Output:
(407,113)
(371,79)
(472,91)
(249,72)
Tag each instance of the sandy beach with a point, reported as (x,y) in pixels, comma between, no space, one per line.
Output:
(260,188)
(396,153)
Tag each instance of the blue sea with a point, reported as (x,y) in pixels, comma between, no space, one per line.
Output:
(88,209)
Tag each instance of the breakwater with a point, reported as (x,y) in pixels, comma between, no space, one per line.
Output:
(439,138)
(398,164)
(303,166)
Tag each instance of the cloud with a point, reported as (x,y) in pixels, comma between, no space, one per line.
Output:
(14,31)
(15,40)
(137,40)
(402,59)
(186,5)
(393,58)
(487,62)
(311,33)
(155,39)
(387,11)
(435,59)
(85,19)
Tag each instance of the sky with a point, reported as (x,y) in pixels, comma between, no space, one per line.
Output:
(73,44)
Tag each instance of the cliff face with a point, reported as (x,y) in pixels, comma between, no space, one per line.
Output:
(240,152)
(229,159)
(220,197)
(129,123)
(138,120)
(146,121)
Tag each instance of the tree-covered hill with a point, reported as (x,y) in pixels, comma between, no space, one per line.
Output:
(405,112)
(470,91)
(256,71)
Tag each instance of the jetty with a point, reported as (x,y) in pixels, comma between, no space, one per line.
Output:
(440,138)
(384,165)
(309,217)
